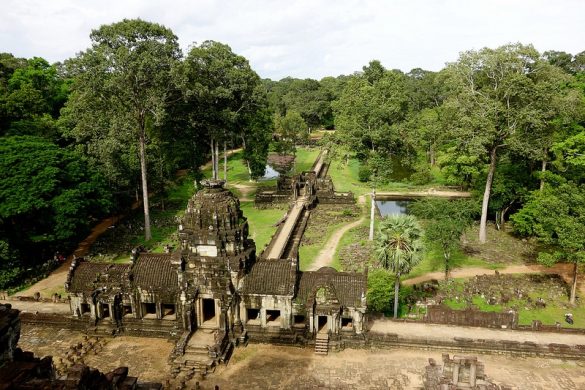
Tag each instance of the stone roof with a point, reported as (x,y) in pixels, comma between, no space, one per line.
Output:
(153,271)
(271,277)
(89,276)
(348,286)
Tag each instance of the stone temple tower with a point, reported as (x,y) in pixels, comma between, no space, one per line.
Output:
(215,254)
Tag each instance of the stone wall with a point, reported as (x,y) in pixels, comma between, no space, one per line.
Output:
(467,345)
(9,333)
(440,314)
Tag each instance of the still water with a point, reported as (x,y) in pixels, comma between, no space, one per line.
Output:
(269,173)
(392,207)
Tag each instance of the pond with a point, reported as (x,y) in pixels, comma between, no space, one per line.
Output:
(393,207)
(269,173)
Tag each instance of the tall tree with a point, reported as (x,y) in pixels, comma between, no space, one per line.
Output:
(447,220)
(121,87)
(499,99)
(556,216)
(290,129)
(225,90)
(399,247)
(48,196)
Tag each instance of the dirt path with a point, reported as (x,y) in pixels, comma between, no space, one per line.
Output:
(57,278)
(429,192)
(447,332)
(564,270)
(245,190)
(325,256)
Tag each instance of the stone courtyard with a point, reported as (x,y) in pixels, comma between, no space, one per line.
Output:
(263,366)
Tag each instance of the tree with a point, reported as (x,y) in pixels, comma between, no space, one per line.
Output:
(380,291)
(447,220)
(399,247)
(499,99)
(225,91)
(256,141)
(34,95)
(556,216)
(48,196)
(290,129)
(121,88)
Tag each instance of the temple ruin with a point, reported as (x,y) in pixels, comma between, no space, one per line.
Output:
(215,292)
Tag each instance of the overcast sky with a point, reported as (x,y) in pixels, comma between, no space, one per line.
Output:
(313,38)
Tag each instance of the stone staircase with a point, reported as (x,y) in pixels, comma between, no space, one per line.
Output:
(193,355)
(322,343)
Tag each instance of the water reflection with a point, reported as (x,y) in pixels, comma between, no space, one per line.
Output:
(269,173)
(392,207)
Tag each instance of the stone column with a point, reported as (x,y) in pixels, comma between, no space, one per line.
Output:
(263,317)
(455,372)
(472,373)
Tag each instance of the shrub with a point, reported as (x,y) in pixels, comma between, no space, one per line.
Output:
(380,290)
(364,173)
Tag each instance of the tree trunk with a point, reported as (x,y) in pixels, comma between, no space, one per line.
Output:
(396,290)
(213,171)
(216,160)
(432,156)
(486,196)
(574,285)
(224,161)
(372,215)
(147,234)
(543,170)
(447,255)
(247,161)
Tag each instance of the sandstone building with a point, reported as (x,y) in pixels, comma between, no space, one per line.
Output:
(214,283)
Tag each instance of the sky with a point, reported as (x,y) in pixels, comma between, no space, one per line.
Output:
(306,39)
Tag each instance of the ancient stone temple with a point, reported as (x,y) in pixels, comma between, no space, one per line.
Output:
(213,292)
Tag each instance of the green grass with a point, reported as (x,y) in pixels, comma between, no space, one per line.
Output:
(433,262)
(237,170)
(261,223)
(305,158)
(308,253)
(352,236)
(345,178)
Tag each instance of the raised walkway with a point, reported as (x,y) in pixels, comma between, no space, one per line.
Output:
(280,240)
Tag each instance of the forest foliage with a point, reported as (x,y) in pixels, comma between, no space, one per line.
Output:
(83,138)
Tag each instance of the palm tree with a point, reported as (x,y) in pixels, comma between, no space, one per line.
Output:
(399,247)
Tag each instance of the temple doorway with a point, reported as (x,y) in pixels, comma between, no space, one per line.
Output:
(208,309)
(322,324)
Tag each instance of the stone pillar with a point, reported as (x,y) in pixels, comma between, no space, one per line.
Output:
(158,306)
(455,372)
(263,317)
(238,318)
(472,374)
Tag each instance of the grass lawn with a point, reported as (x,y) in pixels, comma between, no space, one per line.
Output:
(345,178)
(305,158)
(433,262)
(261,222)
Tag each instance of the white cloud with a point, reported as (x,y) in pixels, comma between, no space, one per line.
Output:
(306,38)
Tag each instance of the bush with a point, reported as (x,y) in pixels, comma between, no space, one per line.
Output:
(422,176)
(364,173)
(380,291)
